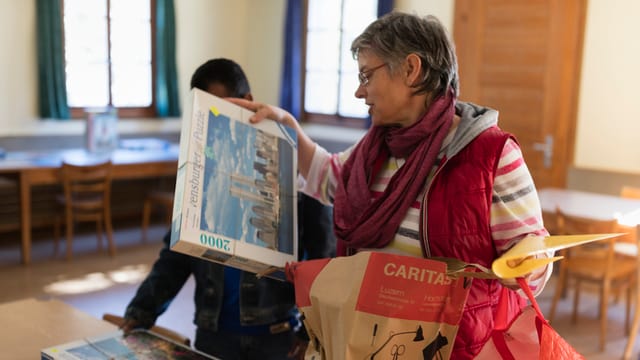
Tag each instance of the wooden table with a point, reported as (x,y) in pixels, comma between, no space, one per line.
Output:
(591,205)
(31,325)
(40,168)
(603,207)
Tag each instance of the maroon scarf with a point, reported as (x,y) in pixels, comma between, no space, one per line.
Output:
(361,221)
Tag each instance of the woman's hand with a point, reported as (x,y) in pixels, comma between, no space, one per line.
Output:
(306,146)
(532,276)
(265,111)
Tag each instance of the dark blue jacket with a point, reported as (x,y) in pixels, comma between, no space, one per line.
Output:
(262,301)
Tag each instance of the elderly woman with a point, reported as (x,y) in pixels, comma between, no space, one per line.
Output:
(433,176)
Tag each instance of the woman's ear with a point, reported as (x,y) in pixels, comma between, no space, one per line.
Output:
(413,69)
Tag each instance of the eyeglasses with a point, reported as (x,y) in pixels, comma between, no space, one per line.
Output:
(364,76)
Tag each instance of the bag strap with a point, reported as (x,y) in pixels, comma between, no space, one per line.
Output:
(500,320)
(527,290)
(501,324)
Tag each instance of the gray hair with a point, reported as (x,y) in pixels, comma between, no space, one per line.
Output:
(396,35)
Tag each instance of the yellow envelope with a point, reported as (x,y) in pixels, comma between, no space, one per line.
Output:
(533,245)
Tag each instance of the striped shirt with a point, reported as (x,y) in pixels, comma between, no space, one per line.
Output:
(515,208)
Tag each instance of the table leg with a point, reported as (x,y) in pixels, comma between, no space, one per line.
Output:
(632,336)
(636,317)
(25,218)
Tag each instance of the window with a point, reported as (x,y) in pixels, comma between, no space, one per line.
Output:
(109,56)
(331,73)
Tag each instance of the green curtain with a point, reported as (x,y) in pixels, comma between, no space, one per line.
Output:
(166,89)
(52,92)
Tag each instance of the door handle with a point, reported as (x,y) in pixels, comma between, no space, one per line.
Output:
(547,150)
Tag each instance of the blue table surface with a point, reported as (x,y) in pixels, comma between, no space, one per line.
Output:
(131,153)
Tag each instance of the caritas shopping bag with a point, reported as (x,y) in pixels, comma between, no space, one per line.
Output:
(375,305)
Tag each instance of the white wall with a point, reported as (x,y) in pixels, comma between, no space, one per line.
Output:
(264,44)
(18,66)
(608,131)
(207,29)
(251,32)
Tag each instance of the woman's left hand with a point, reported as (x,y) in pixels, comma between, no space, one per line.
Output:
(535,275)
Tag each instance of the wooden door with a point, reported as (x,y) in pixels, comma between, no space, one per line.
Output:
(523,58)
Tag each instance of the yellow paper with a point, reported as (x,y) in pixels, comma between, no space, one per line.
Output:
(534,245)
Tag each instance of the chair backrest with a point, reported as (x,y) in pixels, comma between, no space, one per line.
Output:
(550,221)
(630,192)
(576,225)
(87,188)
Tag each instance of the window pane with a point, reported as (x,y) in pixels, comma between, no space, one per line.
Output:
(321,92)
(323,14)
(131,85)
(130,31)
(131,53)
(85,25)
(133,10)
(348,62)
(358,14)
(130,42)
(87,42)
(82,8)
(323,50)
(87,85)
(331,72)
(351,106)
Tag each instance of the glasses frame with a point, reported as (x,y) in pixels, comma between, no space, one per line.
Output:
(363,76)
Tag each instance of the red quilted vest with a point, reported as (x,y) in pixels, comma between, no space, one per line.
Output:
(457,219)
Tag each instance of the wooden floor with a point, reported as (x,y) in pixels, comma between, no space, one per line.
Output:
(97,283)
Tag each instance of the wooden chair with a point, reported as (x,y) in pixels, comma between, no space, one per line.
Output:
(162,198)
(86,198)
(596,263)
(550,221)
(630,192)
(160,330)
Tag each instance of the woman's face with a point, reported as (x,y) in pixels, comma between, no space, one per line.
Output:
(389,97)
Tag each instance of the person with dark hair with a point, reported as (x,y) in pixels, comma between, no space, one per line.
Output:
(237,315)
(223,78)
(433,176)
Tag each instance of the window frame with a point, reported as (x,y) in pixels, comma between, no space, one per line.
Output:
(125,112)
(317,118)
